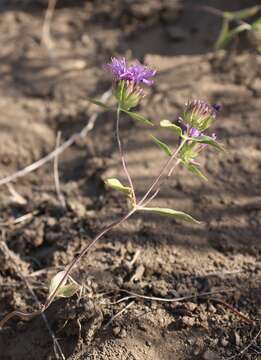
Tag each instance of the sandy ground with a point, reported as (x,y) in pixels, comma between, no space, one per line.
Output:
(44,91)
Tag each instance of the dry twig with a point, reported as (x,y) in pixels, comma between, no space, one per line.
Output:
(46,30)
(182,298)
(118,314)
(20,219)
(15,196)
(235,311)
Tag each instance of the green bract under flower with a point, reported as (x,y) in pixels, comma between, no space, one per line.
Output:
(128,95)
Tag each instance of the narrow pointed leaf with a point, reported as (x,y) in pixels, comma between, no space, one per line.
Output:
(245,13)
(138,117)
(179,215)
(195,170)
(238,30)
(98,103)
(204,139)
(162,145)
(117,185)
(169,125)
(223,37)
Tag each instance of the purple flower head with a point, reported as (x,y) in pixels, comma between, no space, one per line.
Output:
(117,67)
(140,74)
(136,73)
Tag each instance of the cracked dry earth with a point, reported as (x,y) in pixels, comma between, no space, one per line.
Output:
(42,92)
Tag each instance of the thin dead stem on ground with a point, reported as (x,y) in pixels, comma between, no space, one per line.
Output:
(118,314)
(182,298)
(235,311)
(46,30)
(15,196)
(20,219)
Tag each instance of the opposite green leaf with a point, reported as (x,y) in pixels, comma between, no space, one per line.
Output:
(195,170)
(180,215)
(68,290)
(55,281)
(64,290)
(204,139)
(99,103)
(162,145)
(138,117)
(238,30)
(243,14)
(117,185)
(170,125)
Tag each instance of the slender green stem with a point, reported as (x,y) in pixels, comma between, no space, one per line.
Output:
(122,153)
(161,173)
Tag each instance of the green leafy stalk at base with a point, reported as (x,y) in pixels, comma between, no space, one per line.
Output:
(179,215)
(228,32)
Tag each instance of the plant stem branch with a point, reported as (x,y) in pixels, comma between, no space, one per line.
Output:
(158,188)
(76,260)
(161,173)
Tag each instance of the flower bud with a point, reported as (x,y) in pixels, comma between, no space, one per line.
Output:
(127,94)
(200,115)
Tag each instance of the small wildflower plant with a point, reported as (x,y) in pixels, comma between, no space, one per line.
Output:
(190,131)
(234,23)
